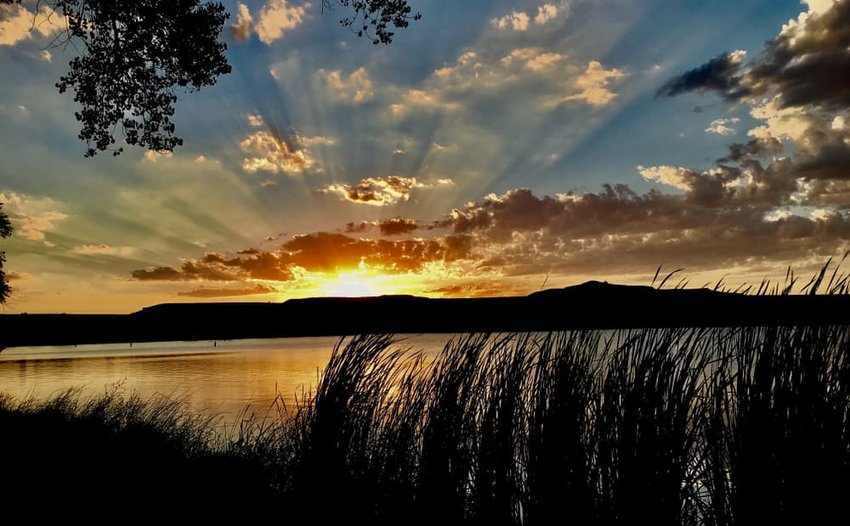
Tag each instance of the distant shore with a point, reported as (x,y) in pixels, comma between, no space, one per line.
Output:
(592,305)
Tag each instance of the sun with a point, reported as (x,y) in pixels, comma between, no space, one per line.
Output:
(351,284)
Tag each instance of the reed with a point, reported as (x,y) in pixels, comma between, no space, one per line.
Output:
(709,426)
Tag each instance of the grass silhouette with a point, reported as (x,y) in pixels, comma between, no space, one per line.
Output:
(704,426)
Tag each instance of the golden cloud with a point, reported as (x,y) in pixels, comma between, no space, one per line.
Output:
(593,84)
(272,152)
(381,191)
(276,17)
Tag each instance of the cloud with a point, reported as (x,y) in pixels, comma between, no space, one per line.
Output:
(669,175)
(533,58)
(32,217)
(397,226)
(355,88)
(276,17)
(18,23)
(357,228)
(522,21)
(543,61)
(700,187)
(805,64)
(154,156)
(796,88)
(327,252)
(548,12)
(534,78)
(317,140)
(782,195)
(188,272)
(514,236)
(518,21)
(256,289)
(103,250)
(819,6)
(387,227)
(242,28)
(593,84)
(718,74)
(217,267)
(316,253)
(381,191)
(518,233)
(723,126)
(256,121)
(275,152)
(270,151)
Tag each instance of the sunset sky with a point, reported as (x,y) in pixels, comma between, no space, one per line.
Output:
(494,148)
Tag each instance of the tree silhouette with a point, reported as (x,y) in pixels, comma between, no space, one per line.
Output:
(136,55)
(5,231)
(375,19)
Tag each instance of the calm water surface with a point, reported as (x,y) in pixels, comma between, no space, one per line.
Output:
(224,377)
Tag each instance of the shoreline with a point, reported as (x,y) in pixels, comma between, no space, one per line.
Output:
(591,305)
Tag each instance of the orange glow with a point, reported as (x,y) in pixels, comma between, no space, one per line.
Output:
(351,284)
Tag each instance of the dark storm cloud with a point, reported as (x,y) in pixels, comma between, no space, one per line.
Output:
(719,74)
(806,64)
(397,226)
(357,228)
(832,161)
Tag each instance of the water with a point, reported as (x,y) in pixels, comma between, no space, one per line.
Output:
(220,377)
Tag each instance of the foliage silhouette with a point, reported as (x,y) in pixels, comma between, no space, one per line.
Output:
(5,231)
(375,19)
(136,55)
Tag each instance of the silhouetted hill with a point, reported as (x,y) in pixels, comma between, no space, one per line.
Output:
(589,305)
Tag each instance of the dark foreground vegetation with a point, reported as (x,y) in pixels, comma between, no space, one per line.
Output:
(634,427)
(119,459)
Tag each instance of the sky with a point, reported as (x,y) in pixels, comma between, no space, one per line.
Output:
(494,148)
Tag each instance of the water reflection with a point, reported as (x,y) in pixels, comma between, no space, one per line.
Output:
(223,377)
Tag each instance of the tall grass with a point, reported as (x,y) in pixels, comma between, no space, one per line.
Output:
(119,458)
(663,426)
(653,426)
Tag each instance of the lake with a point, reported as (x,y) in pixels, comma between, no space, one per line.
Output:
(223,377)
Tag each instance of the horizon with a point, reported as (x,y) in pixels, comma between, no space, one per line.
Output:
(533,143)
(765,288)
